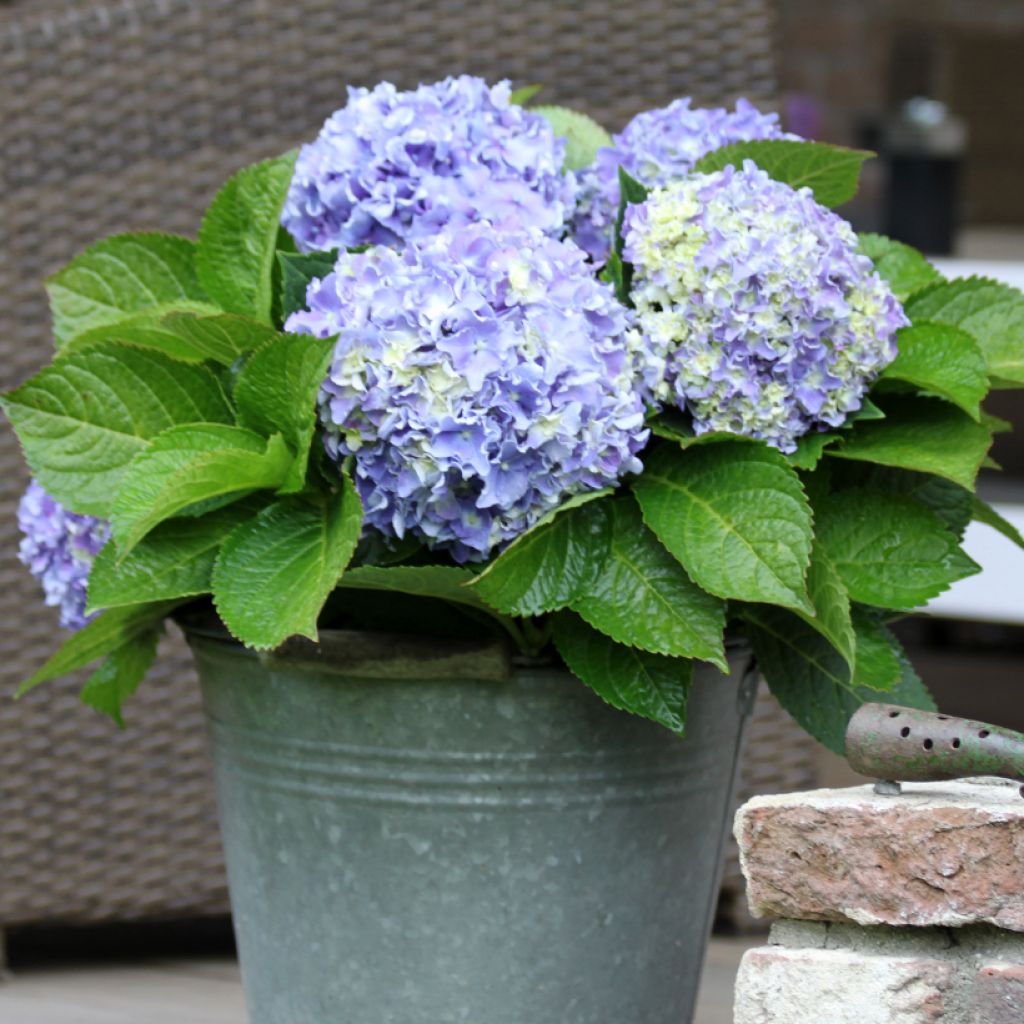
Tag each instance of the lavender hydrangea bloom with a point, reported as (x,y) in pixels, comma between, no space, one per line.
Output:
(59,547)
(480,379)
(392,166)
(769,320)
(658,147)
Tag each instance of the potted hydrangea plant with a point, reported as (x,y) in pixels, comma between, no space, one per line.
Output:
(479,454)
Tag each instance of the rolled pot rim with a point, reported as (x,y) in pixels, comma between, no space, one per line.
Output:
(349,650)
(352,650)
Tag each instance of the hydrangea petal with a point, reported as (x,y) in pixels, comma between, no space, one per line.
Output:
(481,378)
(658,147)
(768,320)
(392,166)
(59,548)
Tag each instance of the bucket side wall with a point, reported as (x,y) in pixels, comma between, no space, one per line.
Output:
(426,851)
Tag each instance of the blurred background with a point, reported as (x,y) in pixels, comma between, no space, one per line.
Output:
(127,114)
(935,88)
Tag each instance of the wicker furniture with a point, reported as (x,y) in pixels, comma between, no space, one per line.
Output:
(126,115)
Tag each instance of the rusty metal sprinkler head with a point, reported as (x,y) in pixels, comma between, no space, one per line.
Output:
(895,744)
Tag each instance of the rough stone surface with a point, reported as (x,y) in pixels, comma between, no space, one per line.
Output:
(947,854)
(880,940)
(999,994)
(799,934)
(839,973)
(777,985)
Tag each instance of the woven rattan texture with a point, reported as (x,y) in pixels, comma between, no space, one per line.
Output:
(125,115)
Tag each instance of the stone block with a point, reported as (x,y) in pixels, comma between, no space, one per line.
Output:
(778,985)
(998,996)
(944,854)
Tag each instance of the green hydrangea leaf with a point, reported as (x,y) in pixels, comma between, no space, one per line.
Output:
(613,273)
(122,671)
(440,582)
(187,337)
(445,582)
(889,551)
(926,435)
(736,517)
(671,426)
(996,424)
(631,192)
(221,338)
(878,665)
(810,448)
(521,96)
(650,685)
(902,266)
(831,618)
(98,638)
(830,172)
(818,482)
(810,679)
(82,419)
(276,392)
(952,302)
(583,135)
(867,411)
(949,501)
(985,513)
(238,238)
(298,271)
(944,361)
(175,560)
(552,563)
(376,549)
(139,332)
(189,464)
(991,312)
(274,572)
(121,277)
(642,596)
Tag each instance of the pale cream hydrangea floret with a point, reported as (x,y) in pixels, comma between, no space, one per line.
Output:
(771,323)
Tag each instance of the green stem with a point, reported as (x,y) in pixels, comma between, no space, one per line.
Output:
(488,618)
(536,635)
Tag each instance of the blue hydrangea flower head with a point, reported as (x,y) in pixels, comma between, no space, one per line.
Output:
(769,321)
(392,166)
(59,548)
(658,147)
(480,379)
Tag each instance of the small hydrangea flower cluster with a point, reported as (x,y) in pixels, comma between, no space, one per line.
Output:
(59,547)
(392,166)
(770,322)
(658,147)
(480,379)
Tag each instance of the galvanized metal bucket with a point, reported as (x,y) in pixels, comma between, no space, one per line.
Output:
(425,832)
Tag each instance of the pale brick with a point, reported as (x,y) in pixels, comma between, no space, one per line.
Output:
(776,985)
(998,996)
(947,854)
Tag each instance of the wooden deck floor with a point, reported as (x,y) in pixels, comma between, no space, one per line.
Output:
(208,991)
